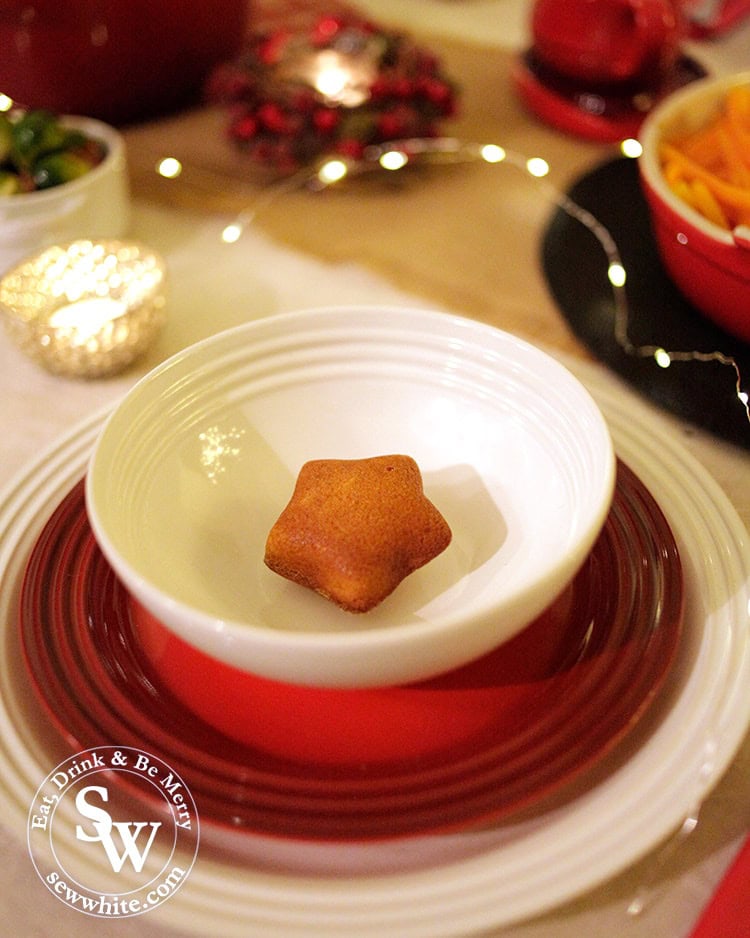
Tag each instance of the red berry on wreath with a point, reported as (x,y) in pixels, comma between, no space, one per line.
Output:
(401,121)
(350,147)
(303,101)
(380,88)
(244,128)
(326,119)
(272,49)
(436,91)
(325,29)
(273,117)
(402,87)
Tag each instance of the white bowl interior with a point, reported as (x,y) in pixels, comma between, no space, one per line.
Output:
(198,461)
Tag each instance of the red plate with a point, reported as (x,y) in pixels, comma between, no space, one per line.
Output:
(500,734)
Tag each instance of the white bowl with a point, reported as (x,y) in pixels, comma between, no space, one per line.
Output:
(196,463)
(95,205)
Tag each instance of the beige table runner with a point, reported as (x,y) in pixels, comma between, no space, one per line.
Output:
(462,236)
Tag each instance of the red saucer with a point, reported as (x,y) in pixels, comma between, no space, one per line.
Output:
(607,114)
(498,735)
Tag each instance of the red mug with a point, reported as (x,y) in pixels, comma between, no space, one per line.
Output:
(604,42)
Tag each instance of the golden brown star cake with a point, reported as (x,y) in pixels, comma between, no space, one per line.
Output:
(355,528)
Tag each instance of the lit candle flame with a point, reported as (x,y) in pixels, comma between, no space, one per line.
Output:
(340,79)
(86,318)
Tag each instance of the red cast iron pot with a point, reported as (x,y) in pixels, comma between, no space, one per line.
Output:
(116,60)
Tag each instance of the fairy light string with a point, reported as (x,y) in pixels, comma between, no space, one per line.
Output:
(396,155)
(617,278)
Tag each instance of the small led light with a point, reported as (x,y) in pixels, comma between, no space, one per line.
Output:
(662,358)
(537,166)
(617,275)
(231,233)
(6,103)
(169,167)
(744,397)
(332,171)
(393,160)
(631,147)
(492,153)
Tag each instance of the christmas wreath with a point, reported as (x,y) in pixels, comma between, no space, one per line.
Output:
(334,88)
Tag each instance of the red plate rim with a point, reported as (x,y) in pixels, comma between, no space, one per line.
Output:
(618,628)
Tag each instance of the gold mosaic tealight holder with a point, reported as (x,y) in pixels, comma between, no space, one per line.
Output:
(85,309)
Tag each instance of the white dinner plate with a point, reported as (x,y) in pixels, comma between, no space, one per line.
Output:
(447,885)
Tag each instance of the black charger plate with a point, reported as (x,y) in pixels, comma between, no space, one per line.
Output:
(575,266)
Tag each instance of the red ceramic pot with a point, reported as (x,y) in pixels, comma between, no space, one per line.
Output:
(117,60)
(711,266)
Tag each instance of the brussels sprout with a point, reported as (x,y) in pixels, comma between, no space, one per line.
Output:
(6,136)
(72,139)
(34,133)
(56,168)
(39,152)
(9,183)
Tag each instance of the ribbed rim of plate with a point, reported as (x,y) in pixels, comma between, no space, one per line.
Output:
(455,885)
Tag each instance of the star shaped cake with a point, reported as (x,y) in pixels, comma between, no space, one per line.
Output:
(355,528)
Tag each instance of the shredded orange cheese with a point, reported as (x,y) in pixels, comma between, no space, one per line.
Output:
(710,168)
